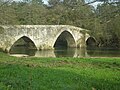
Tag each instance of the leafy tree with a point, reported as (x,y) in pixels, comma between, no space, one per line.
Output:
(109,16)
(103,22)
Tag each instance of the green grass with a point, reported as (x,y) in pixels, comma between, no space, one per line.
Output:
(59,73)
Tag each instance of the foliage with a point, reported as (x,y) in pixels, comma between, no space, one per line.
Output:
(109,18)
(104,21)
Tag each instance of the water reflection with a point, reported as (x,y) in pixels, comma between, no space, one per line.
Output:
(67,52)
(81,52)
(64,52)
(45,53)
(23,46)
(58,52)
(23,51)
(103,52)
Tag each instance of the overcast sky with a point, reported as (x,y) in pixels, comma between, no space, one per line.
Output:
(94,4)
(45,1)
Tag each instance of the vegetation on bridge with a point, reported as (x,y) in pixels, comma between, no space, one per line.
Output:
(104,21)
(59,73)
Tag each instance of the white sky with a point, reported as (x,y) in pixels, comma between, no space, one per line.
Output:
(45,1)
(94,4)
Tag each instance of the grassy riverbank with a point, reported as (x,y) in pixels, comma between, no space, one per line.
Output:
(59,73)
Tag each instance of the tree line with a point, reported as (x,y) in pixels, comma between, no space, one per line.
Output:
(103,21)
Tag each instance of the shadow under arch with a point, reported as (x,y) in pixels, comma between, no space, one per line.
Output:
(91,42)
(64,45)
(65,39)
(23,45)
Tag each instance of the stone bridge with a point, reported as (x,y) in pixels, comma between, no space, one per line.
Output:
(42,36)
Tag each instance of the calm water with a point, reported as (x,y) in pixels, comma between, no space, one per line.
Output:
(67,52)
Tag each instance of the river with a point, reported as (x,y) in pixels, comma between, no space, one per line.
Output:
(67,52)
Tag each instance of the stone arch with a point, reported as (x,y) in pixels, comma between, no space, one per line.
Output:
(23,41)
(65,39)
(91,41)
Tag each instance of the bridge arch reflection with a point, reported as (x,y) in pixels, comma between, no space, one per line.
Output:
(65,39)
(23,45)
(91,42)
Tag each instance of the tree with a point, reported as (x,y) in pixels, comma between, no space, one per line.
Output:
(109,16)
(54,2)
(8,14)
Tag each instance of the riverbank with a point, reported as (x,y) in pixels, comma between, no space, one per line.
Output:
(30,73)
